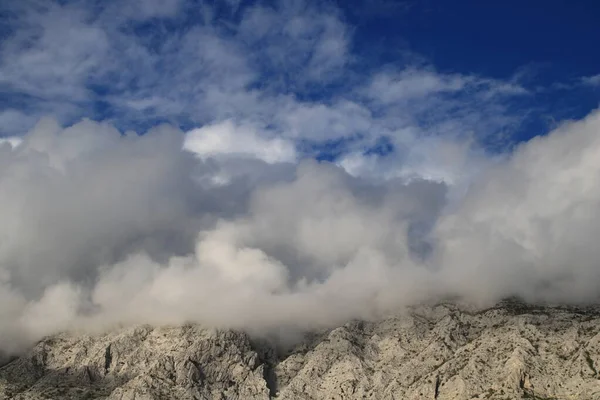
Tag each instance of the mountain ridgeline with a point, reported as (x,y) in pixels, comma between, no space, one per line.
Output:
(441,352)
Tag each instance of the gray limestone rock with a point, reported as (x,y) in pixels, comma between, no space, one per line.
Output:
(443,352)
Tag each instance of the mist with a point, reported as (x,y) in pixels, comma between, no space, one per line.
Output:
(102,228)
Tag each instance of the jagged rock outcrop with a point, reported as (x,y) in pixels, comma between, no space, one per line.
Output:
(444,352)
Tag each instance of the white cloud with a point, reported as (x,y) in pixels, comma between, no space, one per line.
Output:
(321,122)
(12,141)
(389,88)
(57,182)
(227,139)
(250,71)
(434,159)
(527,225)
(52,54)
(100,228)
(299,43)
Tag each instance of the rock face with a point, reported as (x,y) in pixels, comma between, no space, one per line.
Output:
(510,351)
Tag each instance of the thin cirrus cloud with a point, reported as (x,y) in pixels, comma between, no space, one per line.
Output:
(195,195)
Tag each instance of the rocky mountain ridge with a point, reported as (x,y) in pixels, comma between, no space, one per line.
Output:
(442,352)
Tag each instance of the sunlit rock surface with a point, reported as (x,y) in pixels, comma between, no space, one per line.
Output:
(511,351)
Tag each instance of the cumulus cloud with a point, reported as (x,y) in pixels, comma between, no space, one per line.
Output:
(527,225)
(226,139)
(101,228)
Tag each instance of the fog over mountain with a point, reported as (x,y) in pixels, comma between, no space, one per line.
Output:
(101,228)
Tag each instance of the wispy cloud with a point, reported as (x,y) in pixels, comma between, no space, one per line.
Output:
(591,80)
(286,68)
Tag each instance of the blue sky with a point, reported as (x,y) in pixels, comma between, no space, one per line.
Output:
(548,43)
(331,77)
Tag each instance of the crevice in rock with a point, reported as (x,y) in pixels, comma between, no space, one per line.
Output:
(268,358)
(270,379)
(436,390)
(107,359)
(590,363)
(199,375)
(89,374)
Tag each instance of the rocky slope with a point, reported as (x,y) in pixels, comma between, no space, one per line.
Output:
(507,352)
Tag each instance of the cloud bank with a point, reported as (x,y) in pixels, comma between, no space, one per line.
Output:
(101,228)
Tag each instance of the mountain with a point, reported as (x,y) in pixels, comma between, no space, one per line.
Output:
(510,351)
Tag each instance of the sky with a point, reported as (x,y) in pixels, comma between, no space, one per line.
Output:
(178,61)
(281,166)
